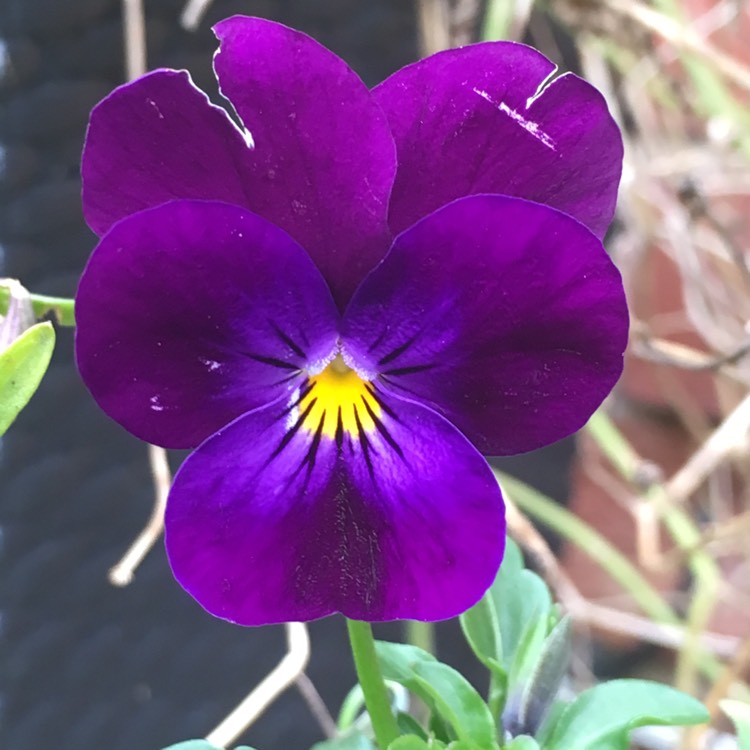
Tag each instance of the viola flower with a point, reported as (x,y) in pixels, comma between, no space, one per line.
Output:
(342,305)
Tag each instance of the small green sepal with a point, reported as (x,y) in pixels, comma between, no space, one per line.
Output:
(22,366)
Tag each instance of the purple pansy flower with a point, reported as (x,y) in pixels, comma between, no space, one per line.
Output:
(342,305)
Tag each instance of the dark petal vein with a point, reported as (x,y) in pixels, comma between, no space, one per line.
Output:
(293,430)
(288,341)
(409,370)
(364,441)
(272,361)
(399,350)
(383,430)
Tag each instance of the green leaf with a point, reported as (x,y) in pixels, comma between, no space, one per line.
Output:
(554,713)
(408,742)
(521,600)
(348,741)
(409,725)
(540,681)
(457,702)
(608,712)
(397,662)
(22,366)
(522,742)
(481,628)
(501,595)
(351,708)
(444,690)
(353,712)
(411,742)
(528,652)
(495,626)
(739,713)
(438,727)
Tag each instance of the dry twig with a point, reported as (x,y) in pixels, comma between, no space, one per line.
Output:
(317,706)
(285,674)
(682,37)
(121,574)
(433,22)
(193,13)
(134,27)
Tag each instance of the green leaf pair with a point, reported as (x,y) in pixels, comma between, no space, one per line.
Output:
(516,632)
(25,347)
(459,713)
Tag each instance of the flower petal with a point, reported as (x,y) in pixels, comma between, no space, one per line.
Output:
(274,520)
(506,316)
(157,139)
(192,313)
(481,119)
(324,159)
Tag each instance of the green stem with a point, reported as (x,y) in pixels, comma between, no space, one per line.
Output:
(371,680)
(421,634)
(60,307)
(497,20)
(496,695)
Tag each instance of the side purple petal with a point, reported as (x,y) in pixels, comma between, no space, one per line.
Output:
(482,119)
(270,521)
(157,139)
(192,313)
(324,159)
(506,316)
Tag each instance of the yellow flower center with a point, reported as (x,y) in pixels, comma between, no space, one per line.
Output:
(338,400)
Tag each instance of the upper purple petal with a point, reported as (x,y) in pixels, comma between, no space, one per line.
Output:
(192,313)
(324,159)
(272,520)
(482,119)
(506,316)
(318,161)
(157,139)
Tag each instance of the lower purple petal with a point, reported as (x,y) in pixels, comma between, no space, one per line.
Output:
(506,316)
(192,313)
(282,516)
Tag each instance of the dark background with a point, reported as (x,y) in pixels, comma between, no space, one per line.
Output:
(84,665)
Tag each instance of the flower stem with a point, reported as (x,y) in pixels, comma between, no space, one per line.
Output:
(421,634)
(371,680)
(61,308)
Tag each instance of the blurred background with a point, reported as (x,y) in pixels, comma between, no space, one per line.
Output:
(646,512)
